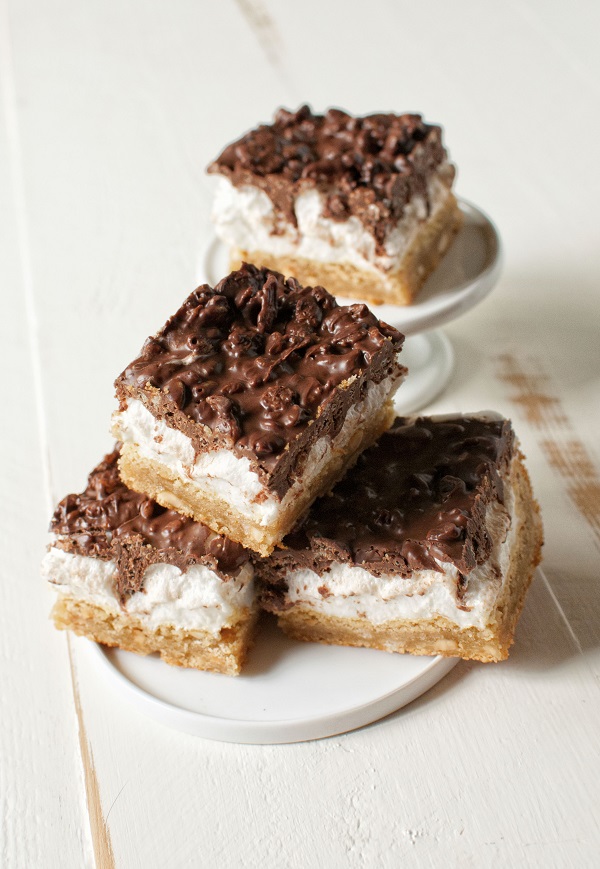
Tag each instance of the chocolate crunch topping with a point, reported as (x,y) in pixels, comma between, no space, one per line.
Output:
(262,366)
(418,496)
(369,167)
(109,521)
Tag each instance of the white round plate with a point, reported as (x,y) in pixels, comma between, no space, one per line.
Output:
(467,273)
(289,691)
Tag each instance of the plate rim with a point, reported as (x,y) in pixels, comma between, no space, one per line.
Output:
(274,731)
(461,298)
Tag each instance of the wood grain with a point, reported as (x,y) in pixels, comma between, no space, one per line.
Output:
(574,464)
(41,788)
(103,852)
(533,391)
(118,107)
(257,15)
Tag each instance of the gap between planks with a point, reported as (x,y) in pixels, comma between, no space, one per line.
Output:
(101,841)
(268,37)
(100,835)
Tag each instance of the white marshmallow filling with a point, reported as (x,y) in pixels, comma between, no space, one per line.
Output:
(351,592)
(245,219)
(194,599)
(229,477)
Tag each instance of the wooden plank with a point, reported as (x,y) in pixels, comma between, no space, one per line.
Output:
(497,765)
(42,803)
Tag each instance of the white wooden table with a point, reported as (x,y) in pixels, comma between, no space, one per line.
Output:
(111,111)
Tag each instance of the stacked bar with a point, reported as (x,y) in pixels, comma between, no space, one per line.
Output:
(253,400)
(133,574)
(428,547)
(363,206)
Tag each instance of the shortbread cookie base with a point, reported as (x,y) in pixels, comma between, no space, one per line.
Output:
(397,287)
(175,492)
(439,635)
(199,650)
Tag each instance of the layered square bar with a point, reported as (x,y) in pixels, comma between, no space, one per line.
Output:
(253,399)
(132,574)
(428,546)
(361,205)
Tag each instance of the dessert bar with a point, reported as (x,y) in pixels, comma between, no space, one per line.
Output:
(428,546)
(132,574)
(361,205)
(253,399)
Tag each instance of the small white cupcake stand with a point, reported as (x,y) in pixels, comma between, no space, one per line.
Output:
(468,272)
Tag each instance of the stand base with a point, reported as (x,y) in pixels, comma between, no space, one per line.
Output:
(429,358)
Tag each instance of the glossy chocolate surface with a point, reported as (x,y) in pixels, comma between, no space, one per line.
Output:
(369,167)
(416,498)
(262,366)
(109,521)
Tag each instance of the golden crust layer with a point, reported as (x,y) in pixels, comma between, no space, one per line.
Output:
(163,485)
(200,650)
(398,287)
(440,636)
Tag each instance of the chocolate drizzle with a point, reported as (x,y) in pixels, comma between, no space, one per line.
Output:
(368,167)
(417,497)
(109,521)
(262,366)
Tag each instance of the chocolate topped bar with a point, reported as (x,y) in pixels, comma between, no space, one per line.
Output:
(428,546)
(252,365)
(369,167)
(416,498)
(111,522)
